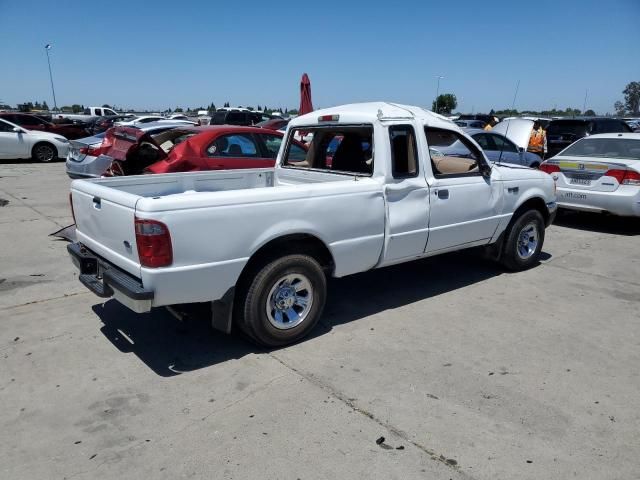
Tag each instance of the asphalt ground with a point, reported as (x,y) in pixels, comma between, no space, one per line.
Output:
(467,372)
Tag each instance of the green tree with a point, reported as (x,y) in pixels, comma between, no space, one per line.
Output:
(445,103)
(106,105)
(45,106)
(75,108)
(178,110)
(632,98)
(619,108)
(590,113)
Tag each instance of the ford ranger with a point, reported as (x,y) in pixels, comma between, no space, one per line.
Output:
(380,184)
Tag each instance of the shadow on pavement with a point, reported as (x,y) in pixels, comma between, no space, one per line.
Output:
(170,347)
(598,222)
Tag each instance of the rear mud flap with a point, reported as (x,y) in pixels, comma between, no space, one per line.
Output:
(66,233)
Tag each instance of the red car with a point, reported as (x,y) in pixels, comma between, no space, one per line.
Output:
(70,131)
(185,149)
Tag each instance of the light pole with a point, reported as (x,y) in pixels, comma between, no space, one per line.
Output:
(438,91)
(47,47)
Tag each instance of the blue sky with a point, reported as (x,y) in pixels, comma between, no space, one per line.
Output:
(165,53)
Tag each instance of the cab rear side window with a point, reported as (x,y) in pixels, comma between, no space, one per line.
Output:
(345,149)
(404,152)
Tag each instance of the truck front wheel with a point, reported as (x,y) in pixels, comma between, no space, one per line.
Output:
(283,301)
(523,241)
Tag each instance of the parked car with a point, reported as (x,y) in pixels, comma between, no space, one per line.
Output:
(102,124)
(562,133)
(17,142)
(507,144)
(236,117)
(89,159)
(32,122)
(144,119)
(492,119)
(259,243)
(599,173)
(226,148)
(470,123)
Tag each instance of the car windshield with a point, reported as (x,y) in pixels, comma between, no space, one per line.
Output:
(605,148)
(567,126)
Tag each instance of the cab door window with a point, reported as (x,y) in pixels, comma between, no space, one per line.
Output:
(452,154)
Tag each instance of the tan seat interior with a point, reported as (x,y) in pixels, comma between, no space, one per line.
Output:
(445,165)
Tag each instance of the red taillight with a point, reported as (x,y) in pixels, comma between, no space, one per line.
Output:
(624,177)
(73,214)
(154,243)
(549,168)
(631,178)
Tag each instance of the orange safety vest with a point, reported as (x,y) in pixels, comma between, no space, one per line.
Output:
(537,141)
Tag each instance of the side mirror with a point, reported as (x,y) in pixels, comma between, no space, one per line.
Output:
(485,169)
(520,149)
(17,130)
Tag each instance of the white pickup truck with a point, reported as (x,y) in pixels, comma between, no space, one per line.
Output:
(380,184)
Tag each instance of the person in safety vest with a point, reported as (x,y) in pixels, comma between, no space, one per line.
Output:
(538,140)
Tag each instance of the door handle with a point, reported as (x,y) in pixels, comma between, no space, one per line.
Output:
(97,203)
(443,194)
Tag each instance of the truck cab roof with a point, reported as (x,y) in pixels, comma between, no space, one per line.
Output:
(372,112)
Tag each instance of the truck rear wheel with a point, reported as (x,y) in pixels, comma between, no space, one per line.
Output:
(523,241)
(283,301)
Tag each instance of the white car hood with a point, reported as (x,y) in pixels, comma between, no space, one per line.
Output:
(518,130)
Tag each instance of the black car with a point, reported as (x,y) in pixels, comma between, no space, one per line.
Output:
(244,118)
(562,133)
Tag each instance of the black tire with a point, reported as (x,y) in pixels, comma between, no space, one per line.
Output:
(258,288)
(44,152)
(517,256)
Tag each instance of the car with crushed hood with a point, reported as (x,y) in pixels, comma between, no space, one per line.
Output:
(122,149)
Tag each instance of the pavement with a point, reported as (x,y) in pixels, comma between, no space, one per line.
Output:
(466,371)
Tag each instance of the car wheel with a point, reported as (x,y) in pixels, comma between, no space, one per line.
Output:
(523,241)
(283,301)
(44,152)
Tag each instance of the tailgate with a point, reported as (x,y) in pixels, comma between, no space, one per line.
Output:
(105,223)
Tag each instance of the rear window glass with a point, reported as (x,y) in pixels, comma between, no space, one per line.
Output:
(340,149)
(567,126)
(219,118)
(605,148)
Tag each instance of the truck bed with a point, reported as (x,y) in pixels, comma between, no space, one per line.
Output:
(218,219)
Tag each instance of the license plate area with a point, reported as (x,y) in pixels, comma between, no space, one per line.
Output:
(580,181)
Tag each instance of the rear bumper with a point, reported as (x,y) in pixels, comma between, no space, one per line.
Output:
(106,280)
(88,167)
(624,201)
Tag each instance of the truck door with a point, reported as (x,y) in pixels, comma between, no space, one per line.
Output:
(407,198)
(465,204)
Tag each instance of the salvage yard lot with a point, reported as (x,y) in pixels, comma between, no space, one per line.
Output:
(476,373)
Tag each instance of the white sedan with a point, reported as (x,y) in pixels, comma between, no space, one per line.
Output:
(17,142)
(599,173)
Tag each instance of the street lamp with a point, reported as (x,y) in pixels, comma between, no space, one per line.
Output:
(438,91)
(47,47)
